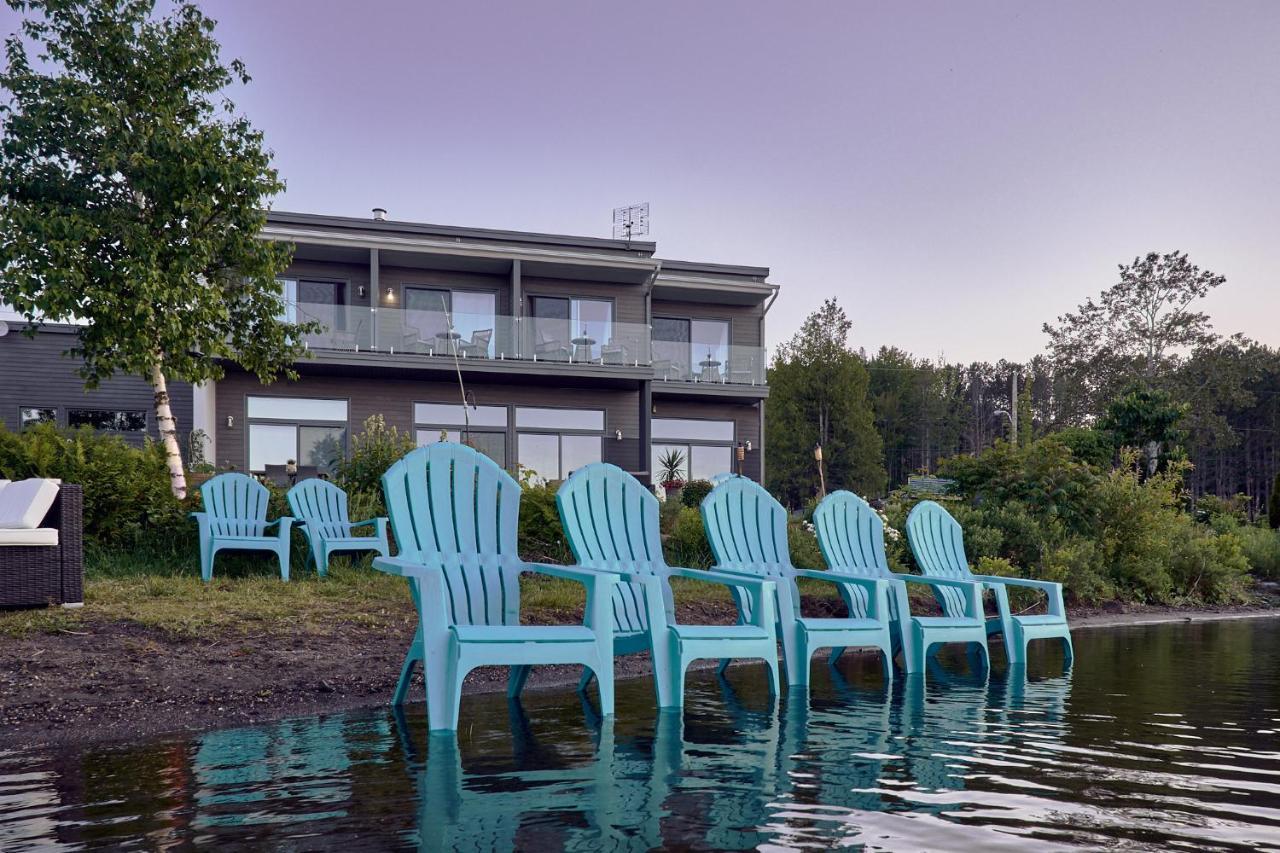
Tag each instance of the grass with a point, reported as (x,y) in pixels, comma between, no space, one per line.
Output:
(164,592)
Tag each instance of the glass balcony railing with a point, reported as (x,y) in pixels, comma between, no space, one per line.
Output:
(437,334)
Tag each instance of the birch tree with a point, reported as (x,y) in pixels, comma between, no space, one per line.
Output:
(133,195)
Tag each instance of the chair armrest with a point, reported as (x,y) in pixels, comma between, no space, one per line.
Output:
(933,581)
(600,584)
(754,583)
(400,567)
(580,574)
(367,522)
(285,522)
(870,584)
(1051,589)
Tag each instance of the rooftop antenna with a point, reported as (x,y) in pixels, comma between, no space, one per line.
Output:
(632,221)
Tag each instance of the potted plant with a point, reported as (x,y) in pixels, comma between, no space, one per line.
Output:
(671,472)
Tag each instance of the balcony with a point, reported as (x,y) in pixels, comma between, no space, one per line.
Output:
(491,339)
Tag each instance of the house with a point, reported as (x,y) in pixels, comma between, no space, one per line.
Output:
(566,350)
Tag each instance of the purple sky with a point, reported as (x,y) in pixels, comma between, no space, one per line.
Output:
(956,173)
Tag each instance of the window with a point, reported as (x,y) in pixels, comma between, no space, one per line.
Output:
(446,421)
(27,416)
(570,329)
(690,349)
(553,443)
(432,313)
(706,446)
(116,421)
(312,432)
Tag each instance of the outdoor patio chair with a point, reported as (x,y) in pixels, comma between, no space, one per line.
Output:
(41,543)
(454,513)
(235,519)
(937,542)
(851,536)
(747,529)
(611,522)
(321,510)
(478,346)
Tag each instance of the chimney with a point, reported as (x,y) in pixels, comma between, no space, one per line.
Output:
(380,214)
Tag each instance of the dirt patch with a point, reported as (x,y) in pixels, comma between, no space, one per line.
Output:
(114,680)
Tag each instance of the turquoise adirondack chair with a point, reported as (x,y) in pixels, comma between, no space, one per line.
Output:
(235,519)
(938,545)
(851,536)
(454,513)
(321,508)
(611,521)
(748,533)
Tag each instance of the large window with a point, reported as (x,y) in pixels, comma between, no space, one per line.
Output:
(553,443)
(705,446)
(441,319)
(570,329)
(325,302)
(690,349)
(485,427)
(312,432)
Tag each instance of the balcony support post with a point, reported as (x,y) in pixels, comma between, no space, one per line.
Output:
(375,296)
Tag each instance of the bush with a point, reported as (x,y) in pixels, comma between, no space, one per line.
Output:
(687,543)
(1223,513)
(373,450)
(1206,566)
(693,493)
(127,498)
(1074,563)
(802,545)
(541,536)
(1261,548)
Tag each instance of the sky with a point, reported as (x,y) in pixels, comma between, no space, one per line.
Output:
(956,174)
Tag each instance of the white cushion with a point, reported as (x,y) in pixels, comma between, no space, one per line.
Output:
(24,504)
(36,536)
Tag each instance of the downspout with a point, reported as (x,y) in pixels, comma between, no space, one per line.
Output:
(760,405)
(646,386)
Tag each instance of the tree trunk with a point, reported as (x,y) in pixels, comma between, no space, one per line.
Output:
(168,426)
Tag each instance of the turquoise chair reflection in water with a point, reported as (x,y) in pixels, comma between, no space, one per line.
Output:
(938,545)
(321,508)
(235,519)
(611,521)
(747,529)
(851,536)
(454,513)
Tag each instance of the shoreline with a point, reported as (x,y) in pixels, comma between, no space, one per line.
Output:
(119,682)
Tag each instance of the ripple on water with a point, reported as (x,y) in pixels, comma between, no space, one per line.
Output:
(1118,752)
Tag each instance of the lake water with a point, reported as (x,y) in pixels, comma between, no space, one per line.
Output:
(1164,737)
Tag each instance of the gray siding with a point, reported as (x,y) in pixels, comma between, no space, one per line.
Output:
(34,372)
(628,300)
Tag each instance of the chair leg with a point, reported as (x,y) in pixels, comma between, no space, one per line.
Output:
(444,696)
(675,685)
(662,653)
(604,682)
(723,665)
(321,559)
(515,681)
(775,686)
(411,658)
(283,555)
(207,552)
(921,655)
(1068,651)
(585,681)
(795,649)
(887,650)
(835,655)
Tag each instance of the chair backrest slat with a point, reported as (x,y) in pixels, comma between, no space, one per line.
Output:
(851,535)
(236,504)
(454,507)
(937,542)
(611,522)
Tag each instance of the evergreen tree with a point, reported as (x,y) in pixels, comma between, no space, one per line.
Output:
(818,395)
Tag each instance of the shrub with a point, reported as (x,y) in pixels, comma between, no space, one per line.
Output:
(1206,566)
(1090,446)
(127,498)
(1214,510)
(694,491)
(1261,547)
(373,450)
(541,536)
(687,543)
(802,544)
(1074,563)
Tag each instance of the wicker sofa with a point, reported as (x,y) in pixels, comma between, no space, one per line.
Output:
(37,575)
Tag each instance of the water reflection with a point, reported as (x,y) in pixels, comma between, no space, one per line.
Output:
(1160,737)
